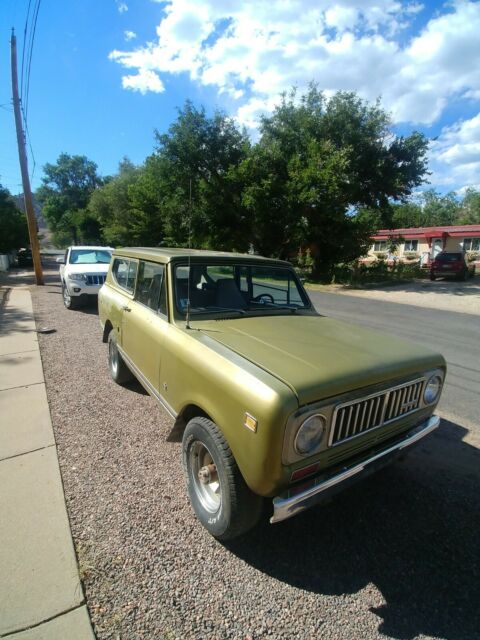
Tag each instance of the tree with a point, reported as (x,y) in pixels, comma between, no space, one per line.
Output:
(111,205)
(439,210)
(318,163)
(406,215)
(13,224)
(64,195)
(199,189)
(469,210)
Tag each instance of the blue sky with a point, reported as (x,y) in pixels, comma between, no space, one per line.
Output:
(106,73)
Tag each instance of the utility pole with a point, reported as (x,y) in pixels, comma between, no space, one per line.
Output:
(27,192)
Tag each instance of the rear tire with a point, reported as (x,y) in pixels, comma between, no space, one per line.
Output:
(219,495)
(118,369)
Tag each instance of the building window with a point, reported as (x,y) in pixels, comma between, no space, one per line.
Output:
(411,245)
(471,244)
(380,245)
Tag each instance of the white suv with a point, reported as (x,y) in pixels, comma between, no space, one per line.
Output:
(83,271)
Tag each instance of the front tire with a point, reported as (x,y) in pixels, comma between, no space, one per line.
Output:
(219,495)
(70,302)
(118,369)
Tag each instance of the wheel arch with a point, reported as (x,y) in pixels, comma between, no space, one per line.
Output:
(106,330)
(188,412)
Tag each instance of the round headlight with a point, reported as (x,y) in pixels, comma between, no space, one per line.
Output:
(432,389)
(310,434)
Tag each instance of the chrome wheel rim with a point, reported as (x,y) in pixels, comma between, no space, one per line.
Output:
(207,489)
(66,297)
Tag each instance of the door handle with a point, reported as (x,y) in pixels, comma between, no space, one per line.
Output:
(126,309)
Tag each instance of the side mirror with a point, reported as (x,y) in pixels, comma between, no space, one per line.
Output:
(60,260)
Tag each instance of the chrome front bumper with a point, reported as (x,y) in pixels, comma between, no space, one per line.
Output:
(294,501)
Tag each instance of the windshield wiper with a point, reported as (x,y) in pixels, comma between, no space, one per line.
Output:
(275,307)
(211,310)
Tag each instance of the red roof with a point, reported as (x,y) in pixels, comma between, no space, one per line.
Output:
(465,230)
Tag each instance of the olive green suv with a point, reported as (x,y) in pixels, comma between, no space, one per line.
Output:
(271,399)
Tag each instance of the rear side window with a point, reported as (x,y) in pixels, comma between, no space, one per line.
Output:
(151,285)
(124,273)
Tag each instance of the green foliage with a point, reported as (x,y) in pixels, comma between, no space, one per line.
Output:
(112,205)
(469,210)
(64,195)
(318,164)
(431,209)
(325,174)
(199,185)
(13,224)
(357,275)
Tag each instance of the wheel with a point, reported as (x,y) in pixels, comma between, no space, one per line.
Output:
(71,302)
(264,297)
(219,495)
(432,276)
(118,369)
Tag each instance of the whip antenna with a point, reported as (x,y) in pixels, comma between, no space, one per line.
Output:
(189,257)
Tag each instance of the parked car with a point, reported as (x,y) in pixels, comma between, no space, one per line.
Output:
(82,272)
(271,399)
(448,264)
(24,258)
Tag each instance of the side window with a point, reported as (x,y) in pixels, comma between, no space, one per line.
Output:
(162,305)
(124,273)
(132,275)
(150,284)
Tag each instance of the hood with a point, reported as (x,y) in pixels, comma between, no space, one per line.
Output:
(319,357)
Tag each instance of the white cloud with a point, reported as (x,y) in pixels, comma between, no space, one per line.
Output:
(252,51)
(121,6)
(129,35)
(456,155)
(145,80)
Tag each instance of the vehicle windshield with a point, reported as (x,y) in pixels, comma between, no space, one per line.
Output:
(448,257)
(237,288)
(90,256)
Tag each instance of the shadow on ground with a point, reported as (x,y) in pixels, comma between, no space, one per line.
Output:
(412,530)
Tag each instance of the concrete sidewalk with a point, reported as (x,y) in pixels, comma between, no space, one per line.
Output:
(41,596)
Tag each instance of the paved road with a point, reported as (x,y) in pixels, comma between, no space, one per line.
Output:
(455,335)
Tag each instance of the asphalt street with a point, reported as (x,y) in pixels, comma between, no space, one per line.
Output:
(455,335)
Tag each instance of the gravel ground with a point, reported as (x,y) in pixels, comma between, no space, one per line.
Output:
(397,556)
(449,295)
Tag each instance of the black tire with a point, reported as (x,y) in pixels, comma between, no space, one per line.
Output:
(432,277)
(70,302)
(118,369)
(225,506)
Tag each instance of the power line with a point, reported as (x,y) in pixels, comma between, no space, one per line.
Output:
(22,85)
(32,38)
(29,139)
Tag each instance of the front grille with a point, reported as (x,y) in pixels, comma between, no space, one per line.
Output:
(351,419)
(95,279)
